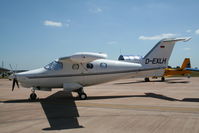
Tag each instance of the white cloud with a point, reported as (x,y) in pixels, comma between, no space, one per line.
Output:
(96,10)
(188,31)
(67,25)
(197,31)
(157,37)
(52,23)
(112,42)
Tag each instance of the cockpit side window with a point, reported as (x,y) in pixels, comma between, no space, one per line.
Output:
(55,65)
(103,65)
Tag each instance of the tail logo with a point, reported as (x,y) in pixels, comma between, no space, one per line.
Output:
(156,61)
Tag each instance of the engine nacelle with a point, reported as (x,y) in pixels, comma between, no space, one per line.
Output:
(130,58)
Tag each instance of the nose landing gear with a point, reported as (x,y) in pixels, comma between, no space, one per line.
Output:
(33,95)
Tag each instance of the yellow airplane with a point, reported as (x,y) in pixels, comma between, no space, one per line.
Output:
(179,71)
(176,71)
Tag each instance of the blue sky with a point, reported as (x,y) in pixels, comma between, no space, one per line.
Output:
(34,32)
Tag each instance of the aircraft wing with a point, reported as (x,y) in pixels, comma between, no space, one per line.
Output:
(83,57)
(192,69)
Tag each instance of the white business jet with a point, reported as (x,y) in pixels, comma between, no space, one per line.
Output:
(74,72)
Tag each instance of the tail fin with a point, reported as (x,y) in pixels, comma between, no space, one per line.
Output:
(186,63)
(159,55)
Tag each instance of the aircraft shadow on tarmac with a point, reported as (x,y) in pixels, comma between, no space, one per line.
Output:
(169,81)
(61,110)
(152,95)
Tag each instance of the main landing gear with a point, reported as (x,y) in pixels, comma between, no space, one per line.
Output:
(33,95)
(81,94)
(162,79)
(146,79)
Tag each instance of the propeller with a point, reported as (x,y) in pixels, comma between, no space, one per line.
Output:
(15,81)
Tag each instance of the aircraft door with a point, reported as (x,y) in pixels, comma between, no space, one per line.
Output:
(79,69)
(85,69)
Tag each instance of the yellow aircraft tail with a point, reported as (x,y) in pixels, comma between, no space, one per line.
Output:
(186,63)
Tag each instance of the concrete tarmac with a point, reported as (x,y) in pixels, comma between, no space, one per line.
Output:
(128,105)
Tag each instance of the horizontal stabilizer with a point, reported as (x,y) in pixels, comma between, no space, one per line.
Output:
(184,39)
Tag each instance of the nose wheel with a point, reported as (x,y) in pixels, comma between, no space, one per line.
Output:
(81,94)
(33,95)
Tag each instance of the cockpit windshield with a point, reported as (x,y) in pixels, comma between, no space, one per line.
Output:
(55,65)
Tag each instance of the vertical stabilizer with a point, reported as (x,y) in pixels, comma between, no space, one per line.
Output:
(186,63)
(159,55)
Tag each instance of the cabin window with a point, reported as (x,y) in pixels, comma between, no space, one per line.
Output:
(55,65)
(89,66)
(121,57)
(75,66)
(103,65)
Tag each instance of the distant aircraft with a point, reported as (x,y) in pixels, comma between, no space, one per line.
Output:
(74,72)
(3,72)
(192,69)
(175,71)
(178,71)
(185,69)
(4,69)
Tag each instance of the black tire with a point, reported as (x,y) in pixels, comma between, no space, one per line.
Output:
(83,96)
(33,96)
(146,80)
(163,79)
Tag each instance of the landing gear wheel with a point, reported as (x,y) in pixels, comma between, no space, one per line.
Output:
(33,96)
(83,96)
(162,79)
(146,80)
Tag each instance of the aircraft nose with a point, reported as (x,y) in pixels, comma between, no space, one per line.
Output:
(14,76)
(20,76)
